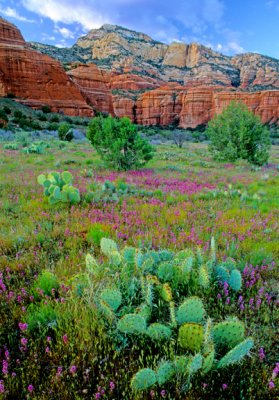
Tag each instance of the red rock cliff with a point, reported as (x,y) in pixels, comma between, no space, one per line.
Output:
(34,78)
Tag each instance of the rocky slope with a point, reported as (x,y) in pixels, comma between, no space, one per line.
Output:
(122,72)
(34,78)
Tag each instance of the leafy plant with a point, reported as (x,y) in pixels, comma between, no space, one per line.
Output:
(65,132)
(118,143)
(237,133)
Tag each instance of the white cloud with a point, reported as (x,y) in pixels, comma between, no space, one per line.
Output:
(66,33)
(66,12)
(12,13)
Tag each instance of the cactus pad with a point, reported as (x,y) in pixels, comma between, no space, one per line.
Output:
(159,332)
(190,336)
(143,379)
(112,297)
(235,280)
(165,372)
(191,310)
(228,333)
(236,354)
(132,324)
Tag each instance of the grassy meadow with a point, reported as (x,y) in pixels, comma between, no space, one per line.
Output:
(58,340)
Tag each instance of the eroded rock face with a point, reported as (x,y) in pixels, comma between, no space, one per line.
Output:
(93,84)
(148,81)
(199,105)
(36,79)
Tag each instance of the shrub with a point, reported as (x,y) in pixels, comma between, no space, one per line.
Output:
(46,109)
(237,133)
(118,143)
(65,132)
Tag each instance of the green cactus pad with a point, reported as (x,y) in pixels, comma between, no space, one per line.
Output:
(235,280)
(166,292)
(67,177)
(145,311)
(108,246)
(143,379)
(222,274)
(181,364)
(159,332)
(228,333)
(191,310)
(165,372)
(204,277)
(112,297)
(208,358)
(132,324)
(195,363)
(165,271)
(236,354)
(129,255)
(190,336)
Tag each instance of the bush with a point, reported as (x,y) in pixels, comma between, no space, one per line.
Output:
(237,133)
(65,132)
(118,143)
(46,109)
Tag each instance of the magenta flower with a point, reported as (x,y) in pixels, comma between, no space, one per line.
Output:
(59,371)
(30,388)
(23,326)
(97,395)
(271,385)
(224,386)
(2,387)
(261,353)
(65,339)
(24,341)
(73,369)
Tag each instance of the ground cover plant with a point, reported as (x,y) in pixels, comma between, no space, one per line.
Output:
(87,317)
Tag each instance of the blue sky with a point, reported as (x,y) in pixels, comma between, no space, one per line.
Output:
(228,26)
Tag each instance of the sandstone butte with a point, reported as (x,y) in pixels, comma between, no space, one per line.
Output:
(152,83)
(34,78)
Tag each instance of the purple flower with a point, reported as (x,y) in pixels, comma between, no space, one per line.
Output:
(73,369)
(2,387)
(23,326)
(65,339)
(30,388)
(97,395)
(47,349)
(219,296)
(5,367)
(163,393)
(24,341)
(271,385)
(59,371)
(152,393)
(261,353)
(48,339)
(112,386)
(224,386)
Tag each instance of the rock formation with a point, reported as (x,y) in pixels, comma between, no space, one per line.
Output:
(34,78)
(125,73)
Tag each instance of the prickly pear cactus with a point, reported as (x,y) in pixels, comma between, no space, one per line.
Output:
(143,379)
(204,278)
(108,246)
(235,280)
(159,332)
(58,187)
(165,372)
(228,333)
(181,364)
(166,292)
(132,324)
(236,354)
(191,310)
(190,336)
(222,274)
(112,297)
(195,363)
(208,358)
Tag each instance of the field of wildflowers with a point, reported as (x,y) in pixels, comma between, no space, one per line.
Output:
(64,331)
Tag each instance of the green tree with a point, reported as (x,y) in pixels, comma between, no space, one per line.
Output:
(65,132)
(237,133)
(118,143)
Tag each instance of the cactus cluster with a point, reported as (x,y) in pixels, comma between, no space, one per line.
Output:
(145,298)
(227,272)
(58,187)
